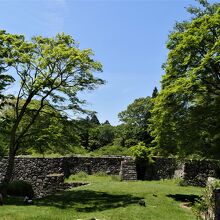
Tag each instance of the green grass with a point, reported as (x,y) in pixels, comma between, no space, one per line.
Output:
(107,198)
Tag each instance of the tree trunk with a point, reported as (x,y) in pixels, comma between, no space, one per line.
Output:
(10,168)
(13,147)
(11,159)
(9,172)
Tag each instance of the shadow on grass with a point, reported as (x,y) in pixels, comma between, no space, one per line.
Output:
(87,200)
(191,199)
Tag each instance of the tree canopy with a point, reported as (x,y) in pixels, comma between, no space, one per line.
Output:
(185,117)
(135,119)
(50,70)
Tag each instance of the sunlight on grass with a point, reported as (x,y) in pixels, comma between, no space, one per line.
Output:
(107,198)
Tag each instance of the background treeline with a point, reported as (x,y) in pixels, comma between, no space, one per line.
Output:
(54,133)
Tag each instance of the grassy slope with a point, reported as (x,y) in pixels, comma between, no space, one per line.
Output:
(107,199)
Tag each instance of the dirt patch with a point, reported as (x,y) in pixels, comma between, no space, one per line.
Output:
(185,205)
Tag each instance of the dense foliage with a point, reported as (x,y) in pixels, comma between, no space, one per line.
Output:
(53,133)
(20,188)
(135,122)
(185,119)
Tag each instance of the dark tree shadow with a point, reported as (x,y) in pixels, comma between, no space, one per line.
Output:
(191,199)
(87,200)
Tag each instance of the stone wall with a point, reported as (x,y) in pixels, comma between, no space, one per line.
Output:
(90,165)
(51,184)
(128,170)
(196,172)
(161,168)
(47,174)
(193,172)
(35,171)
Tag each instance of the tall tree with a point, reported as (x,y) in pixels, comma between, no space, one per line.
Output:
(155,92)
(83,126)
(51,70)
(185,116)
(94,119)
(106,122)
(136,117)
(101,136)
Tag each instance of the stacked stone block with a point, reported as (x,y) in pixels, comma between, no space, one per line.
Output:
(128,170)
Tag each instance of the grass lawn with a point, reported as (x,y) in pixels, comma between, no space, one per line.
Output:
(107,198)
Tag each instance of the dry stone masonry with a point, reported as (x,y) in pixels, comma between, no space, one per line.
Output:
(193,172)
(196,172)
(46,175)
(161,168)
(128,170)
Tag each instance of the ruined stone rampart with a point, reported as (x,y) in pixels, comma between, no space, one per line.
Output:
(47,174)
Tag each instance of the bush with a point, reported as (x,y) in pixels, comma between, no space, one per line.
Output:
(77,177)
(111,150)
(142,153)
(143,157)
(115,178)
(101,173)
(180,182)
(78,150)
(82,175)
(20,188)
(206,205)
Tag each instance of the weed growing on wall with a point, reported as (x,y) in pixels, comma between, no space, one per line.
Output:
(205,206)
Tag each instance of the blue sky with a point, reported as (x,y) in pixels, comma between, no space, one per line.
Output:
(127,36)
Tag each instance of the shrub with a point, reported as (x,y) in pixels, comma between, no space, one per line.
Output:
(115,178)
(143,157)
(180,182)
(78,150)
(101,173)
(20,188)
(206,204)
(111,150)
(77,177)
(142,153)
(82,175)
